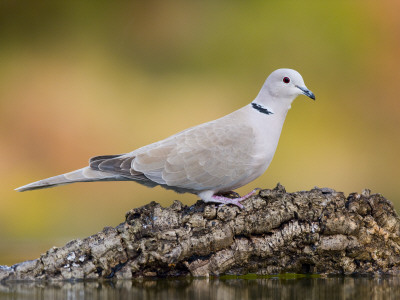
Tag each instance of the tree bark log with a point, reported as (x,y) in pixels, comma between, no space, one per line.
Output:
(317,231)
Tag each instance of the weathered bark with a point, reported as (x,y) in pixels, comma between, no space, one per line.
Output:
(317,231)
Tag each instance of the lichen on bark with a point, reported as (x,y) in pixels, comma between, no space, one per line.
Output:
(317,231)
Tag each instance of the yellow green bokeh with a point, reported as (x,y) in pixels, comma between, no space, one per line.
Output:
(81,78)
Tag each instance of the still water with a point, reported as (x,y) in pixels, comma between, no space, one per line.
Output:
(189,288)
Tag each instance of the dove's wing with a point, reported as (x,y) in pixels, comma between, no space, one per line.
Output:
(211,156)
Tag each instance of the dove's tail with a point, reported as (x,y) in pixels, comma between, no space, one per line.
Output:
(82,175)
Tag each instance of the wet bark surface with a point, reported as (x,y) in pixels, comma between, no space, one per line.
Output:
(317,231)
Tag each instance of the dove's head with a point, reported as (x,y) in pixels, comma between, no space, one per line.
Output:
(286,84)
(281,88)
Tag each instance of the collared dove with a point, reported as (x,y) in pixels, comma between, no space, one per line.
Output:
(211,159)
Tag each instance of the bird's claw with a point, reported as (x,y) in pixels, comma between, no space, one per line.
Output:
(234,201)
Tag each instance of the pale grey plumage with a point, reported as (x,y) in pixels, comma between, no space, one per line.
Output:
(214,157)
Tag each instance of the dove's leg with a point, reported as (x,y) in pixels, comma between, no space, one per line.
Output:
(208,196)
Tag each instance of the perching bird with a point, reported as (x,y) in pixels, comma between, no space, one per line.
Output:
(211,159)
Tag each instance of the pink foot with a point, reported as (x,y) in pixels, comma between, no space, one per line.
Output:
(235,201)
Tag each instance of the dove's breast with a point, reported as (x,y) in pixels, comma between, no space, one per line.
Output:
(266,132)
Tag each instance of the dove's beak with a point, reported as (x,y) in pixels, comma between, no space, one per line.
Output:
(306,92)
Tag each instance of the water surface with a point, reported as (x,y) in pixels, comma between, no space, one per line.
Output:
(223,288)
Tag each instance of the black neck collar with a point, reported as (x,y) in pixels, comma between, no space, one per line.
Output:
(261,108)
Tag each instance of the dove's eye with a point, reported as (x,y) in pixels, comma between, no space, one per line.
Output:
(286,79)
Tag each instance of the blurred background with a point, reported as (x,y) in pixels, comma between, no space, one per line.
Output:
(81,78)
